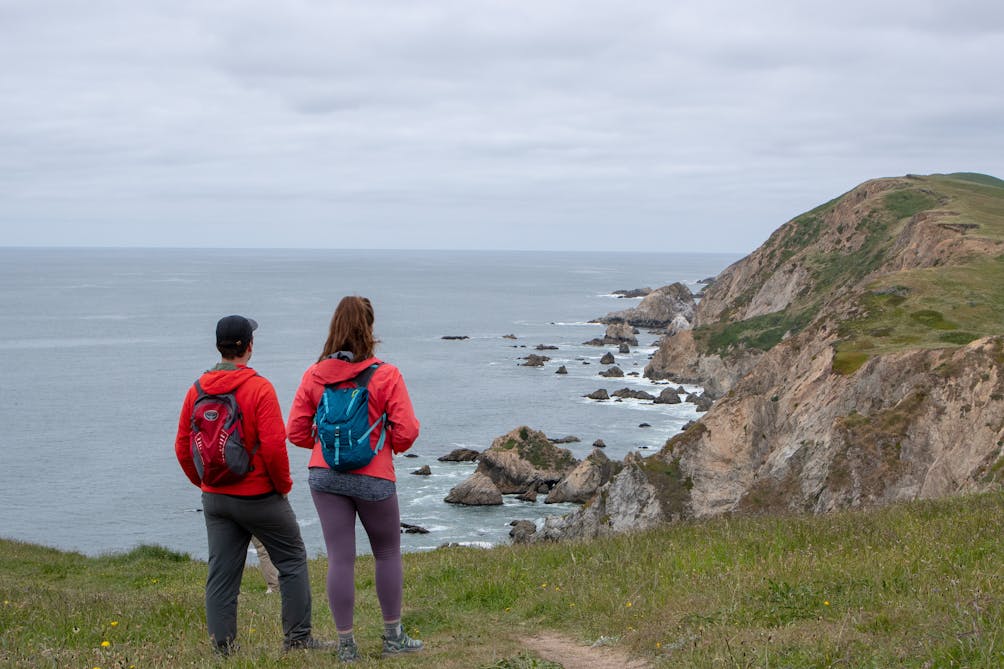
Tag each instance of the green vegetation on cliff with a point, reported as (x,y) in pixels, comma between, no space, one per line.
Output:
(913,585)
(914,262)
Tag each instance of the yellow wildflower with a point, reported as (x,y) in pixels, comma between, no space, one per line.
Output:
(106,644)
(114,623)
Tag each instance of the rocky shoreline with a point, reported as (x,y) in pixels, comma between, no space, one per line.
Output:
(527,464)
(833,376)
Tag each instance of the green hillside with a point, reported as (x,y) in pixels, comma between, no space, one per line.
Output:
(913,585)
(885,300)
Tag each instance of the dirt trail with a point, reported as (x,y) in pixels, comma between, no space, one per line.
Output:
(572,655)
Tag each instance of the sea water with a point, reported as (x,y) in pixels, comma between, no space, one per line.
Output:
(98,346)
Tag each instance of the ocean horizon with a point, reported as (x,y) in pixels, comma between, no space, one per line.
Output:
(98,346)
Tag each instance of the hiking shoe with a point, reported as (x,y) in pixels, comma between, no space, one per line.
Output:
(402,644)
(308,643)
(226,649)
(348,652)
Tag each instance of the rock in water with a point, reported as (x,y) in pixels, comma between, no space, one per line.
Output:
(529,496)
(668,396)
(521,460)
(478,490)
(534,360)
(460,455)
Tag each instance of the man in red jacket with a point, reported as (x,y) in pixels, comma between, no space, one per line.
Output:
(254,505)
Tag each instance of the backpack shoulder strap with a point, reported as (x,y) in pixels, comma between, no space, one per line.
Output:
(362,379)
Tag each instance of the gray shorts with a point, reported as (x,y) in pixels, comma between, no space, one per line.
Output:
(360,486)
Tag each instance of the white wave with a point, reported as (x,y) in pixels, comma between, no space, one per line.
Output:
(457,470)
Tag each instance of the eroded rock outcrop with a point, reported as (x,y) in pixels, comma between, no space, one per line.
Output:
(644,494)
(521,460)
(658,309)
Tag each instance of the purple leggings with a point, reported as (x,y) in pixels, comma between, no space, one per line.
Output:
(382,522)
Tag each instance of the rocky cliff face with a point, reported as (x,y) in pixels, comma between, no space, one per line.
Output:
(857,355)
(795,435)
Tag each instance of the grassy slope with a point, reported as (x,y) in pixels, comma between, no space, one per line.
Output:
(916,585)
(940,306)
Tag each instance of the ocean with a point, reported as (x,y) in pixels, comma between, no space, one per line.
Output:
(98,346)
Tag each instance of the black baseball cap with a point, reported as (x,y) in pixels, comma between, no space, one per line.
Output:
(234,330)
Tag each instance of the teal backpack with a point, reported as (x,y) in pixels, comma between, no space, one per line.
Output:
(343,426)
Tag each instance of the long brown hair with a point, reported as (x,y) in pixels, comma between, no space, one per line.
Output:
(351,329)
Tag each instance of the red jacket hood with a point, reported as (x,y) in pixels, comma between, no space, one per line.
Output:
(217,381)
(332,370)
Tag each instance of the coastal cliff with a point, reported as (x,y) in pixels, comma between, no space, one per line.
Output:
(857,358)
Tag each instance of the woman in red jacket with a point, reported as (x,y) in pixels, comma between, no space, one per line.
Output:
(368,492)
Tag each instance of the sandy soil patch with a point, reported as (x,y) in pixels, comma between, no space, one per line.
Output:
(573,655)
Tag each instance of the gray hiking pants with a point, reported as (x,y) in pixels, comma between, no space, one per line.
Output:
(230,522)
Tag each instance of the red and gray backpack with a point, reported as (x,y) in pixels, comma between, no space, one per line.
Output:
(217,442)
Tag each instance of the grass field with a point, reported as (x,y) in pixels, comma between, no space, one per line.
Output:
(915,585)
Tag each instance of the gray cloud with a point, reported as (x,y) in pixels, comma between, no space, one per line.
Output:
(630,125)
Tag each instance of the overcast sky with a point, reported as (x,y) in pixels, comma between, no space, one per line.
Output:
(551,124)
